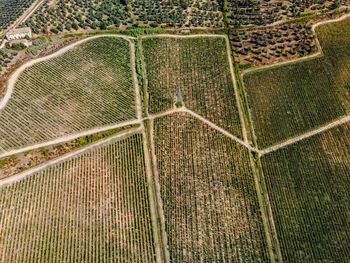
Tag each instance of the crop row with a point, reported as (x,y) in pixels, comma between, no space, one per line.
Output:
(272,45)
(10,10)
(86,87)
(207,189)
(288,100)
(92,208)
(68,15)
(194,72)
(75,14)
(309,185)
(264,12)
(202,13)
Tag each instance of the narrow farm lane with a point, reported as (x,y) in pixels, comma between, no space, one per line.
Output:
(70,137)
(226,133)
(305,135)
(20,176)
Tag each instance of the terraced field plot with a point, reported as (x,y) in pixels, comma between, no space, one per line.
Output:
(194,71)
(88,86)
(91,208)
(309,188)
(288,100)
(208,195)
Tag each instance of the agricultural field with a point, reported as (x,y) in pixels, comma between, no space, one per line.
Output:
(20,162)
(309,188)
(288,100)
(191,71)
(207,189)
(261,12)
(256,47)
(81,89)
(244,13)
(194,13)
(66,15)
(91,208)
(205,13)
(10,10)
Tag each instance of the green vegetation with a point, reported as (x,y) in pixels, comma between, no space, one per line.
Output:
(10,10)
(67,15)
(91,208)
(198,68)
(288,100)
(309,188)
(88,86)
(207,188)
(38,44)
(20,162)
(5,57)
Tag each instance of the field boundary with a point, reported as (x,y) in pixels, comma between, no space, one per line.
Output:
(156,190)
(14,77)
(157,233)
(70,137)
(236,91)
(183,36)
(319,52)
(65,157)
(305,135)
(223,131)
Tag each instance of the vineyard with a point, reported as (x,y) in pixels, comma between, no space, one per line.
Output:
(10,10)
(309,185)
(207,189)
(84,88)
(91,208)
(288,100)
(17,163)
(191,71)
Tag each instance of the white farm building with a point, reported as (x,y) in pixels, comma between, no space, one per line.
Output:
(19,33)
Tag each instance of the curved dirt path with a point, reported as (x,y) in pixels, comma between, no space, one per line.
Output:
(14,77)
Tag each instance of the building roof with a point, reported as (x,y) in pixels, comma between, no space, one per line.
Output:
(23,30)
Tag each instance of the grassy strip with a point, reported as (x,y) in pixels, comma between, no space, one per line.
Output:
(17,163)
(260,186)
(244,106)
(155,193)
(266,210)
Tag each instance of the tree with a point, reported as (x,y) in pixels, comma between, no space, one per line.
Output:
(103,25)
